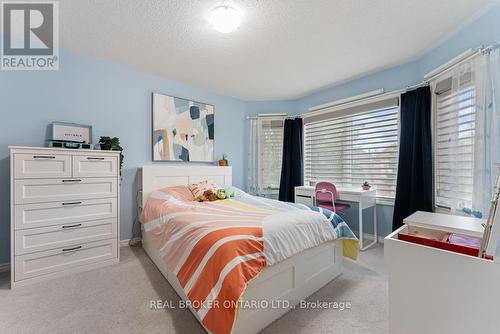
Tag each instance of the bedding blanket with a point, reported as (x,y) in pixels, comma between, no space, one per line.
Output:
(216,248)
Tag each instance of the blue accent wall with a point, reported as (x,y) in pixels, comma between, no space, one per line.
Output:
(483,31)
(117,102)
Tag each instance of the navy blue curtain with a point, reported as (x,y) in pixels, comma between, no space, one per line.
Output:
(414,183)
(292,163)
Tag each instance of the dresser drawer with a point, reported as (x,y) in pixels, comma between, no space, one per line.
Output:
(41,165)
(40,263)
(59,213)
(43,238)
(70,189)
(94,166)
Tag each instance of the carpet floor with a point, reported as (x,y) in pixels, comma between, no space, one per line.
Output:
(116,299)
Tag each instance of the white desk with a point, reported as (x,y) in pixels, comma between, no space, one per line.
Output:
(365,198)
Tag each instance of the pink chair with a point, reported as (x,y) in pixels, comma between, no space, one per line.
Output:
(326,195)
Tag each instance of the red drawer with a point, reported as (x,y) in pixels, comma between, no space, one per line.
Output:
(438,244)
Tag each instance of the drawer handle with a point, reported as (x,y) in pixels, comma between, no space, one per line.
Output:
(92,158)
(44,157)
(71,249)
(72,203)
(71,180)
(70,226)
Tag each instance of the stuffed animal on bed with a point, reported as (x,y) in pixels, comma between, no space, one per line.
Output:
(221,194)
(204,190)
(229,193)
(209,191)
(210,195)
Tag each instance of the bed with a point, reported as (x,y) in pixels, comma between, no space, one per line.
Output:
(277,288)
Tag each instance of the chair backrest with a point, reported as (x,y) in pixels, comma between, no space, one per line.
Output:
(324,190)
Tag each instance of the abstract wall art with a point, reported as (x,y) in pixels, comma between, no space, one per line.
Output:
(183,130)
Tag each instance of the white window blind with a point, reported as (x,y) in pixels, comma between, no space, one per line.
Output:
(454,145)
(270,133)
(349,147)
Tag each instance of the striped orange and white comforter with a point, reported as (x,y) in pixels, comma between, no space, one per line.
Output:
(216,248)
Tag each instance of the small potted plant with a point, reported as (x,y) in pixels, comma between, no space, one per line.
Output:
(223,161)
(366,186)
(112,144)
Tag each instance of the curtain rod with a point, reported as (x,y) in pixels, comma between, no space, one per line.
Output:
(319,111)
(464,56)
(355,98)
(276,115)
(451,65)
(454,62)
(467,55)
(352,103)
(421,84)
(491,47)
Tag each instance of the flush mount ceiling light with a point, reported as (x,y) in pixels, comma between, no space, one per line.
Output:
(225,19)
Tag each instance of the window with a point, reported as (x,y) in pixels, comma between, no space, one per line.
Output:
(350,146)
(270,139)
(454,142)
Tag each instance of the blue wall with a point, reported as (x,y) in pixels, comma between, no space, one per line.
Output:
(117,102)
(483,31)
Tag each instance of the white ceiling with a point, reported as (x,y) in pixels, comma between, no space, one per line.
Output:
(284,48)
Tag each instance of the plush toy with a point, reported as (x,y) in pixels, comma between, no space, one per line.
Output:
(221,194)
(210,195)
(198,190)
(229,193)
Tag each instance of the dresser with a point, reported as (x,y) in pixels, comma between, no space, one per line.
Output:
(64,212)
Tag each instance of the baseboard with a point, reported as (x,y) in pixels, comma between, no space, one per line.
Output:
(380,239)
(124,243)
(367,236)
(130,242)
(78,269)
(4,267)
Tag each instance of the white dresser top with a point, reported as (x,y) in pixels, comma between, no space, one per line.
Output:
(66,150)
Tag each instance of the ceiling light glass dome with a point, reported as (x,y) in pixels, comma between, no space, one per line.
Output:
(225,19)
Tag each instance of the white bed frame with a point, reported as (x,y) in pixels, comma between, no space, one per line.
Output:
(292,280)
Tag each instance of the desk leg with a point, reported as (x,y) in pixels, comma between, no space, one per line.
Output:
(360,226)
(375,237)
